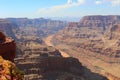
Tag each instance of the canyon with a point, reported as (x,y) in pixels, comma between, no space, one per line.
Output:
(94,40)
(53,49)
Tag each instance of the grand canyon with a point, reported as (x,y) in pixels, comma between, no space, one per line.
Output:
(46,49)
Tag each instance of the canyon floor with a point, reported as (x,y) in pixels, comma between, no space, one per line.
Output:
(96,65)
(49,43)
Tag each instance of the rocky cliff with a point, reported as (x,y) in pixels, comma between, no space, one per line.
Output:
(113,32)
(8,70)
(24,28)
(96,37)
(91,26)
(37,26)
(6,27)
(7,47)
(47,63)
(91,33)
(99,21)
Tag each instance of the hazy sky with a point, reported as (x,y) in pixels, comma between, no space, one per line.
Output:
(58,8)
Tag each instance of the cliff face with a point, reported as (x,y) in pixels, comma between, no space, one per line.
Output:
(24,28)
(7,47)
(39,26)
(113,33)
(99,21)
(90,26)
(6,27)
(92,33)
(8,70)
(37,22)
(112,36)
(97,37)
(47,63)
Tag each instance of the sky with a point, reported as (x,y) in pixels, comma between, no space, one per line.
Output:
(58,8)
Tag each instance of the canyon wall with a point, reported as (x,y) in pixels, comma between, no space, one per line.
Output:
(6,27)
(95,40)
(98,34)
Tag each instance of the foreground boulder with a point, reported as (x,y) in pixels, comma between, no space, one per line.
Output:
(8,70)
(7,47)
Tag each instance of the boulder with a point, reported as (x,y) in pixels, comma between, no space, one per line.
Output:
(7,47)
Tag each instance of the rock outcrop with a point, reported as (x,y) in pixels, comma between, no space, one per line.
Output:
(38,26)
(7,47)
(47,63)
(8,70)
(113,33)
(97,37)
(99,21)
(94,33)
(2,36)
(112,36)
(24,28)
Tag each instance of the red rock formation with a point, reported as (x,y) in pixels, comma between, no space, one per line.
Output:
(2,36)
(104,46)
(99,21)
(51,66)
(73,24)
(43,26)
(7,47)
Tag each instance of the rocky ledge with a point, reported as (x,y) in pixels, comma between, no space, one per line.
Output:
(7,47)
(8,70)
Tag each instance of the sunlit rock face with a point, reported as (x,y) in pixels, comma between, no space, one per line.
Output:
(99,21)
(94,38)
(99,34)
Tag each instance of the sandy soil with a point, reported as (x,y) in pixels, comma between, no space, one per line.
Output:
(48,42)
